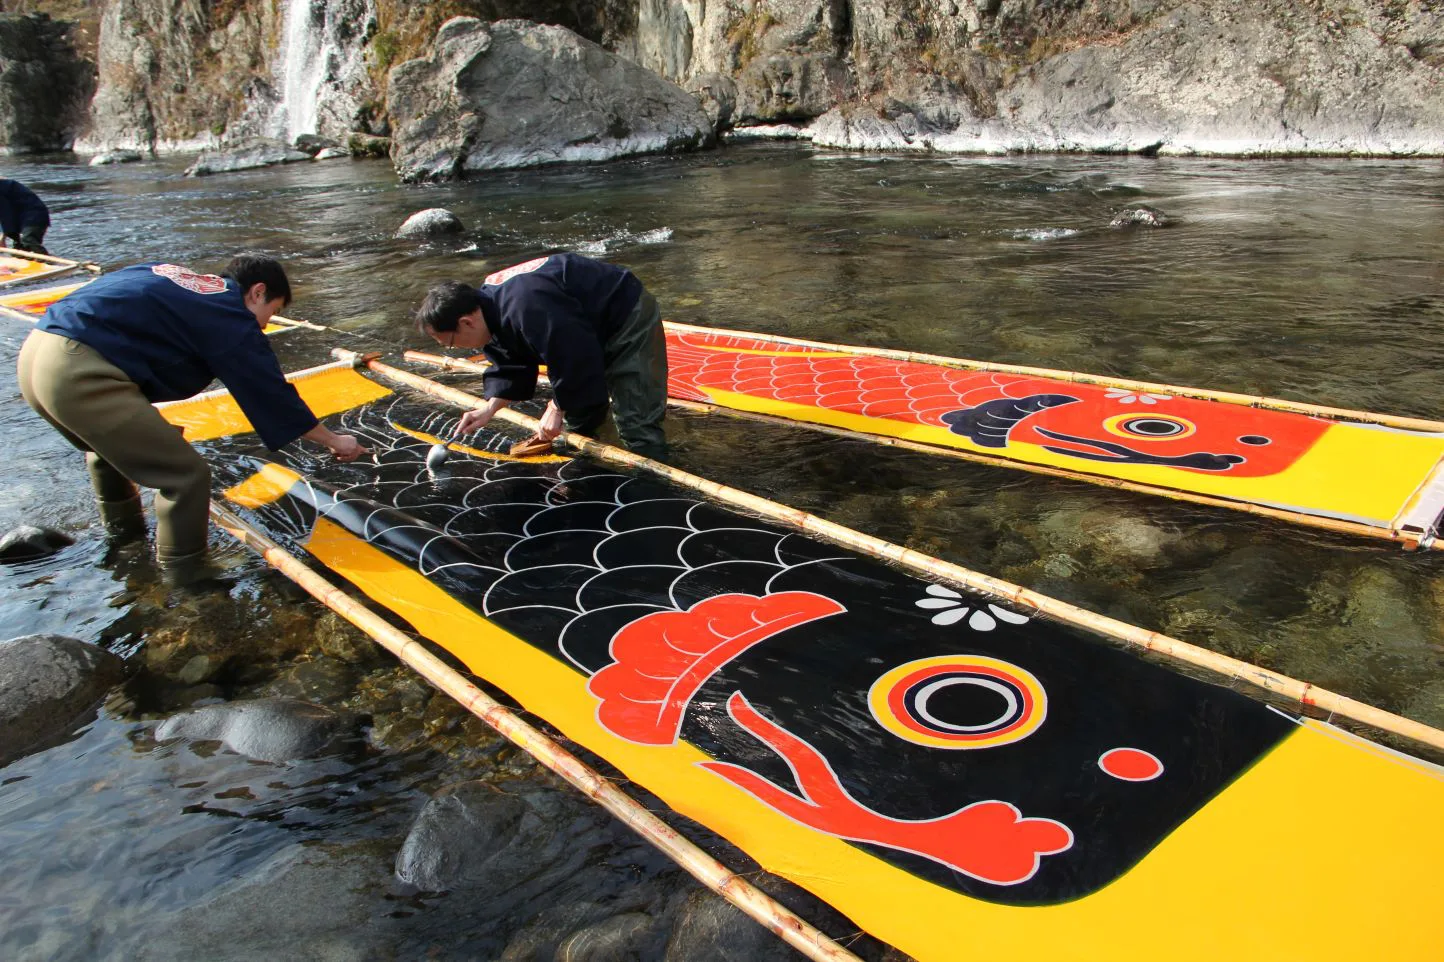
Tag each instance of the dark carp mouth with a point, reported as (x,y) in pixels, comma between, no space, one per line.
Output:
(1121,454)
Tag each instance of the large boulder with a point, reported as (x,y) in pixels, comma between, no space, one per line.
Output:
(48,683)
(518,94)
(45,85)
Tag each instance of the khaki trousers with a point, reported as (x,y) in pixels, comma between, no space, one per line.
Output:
(636,359)
(126,441)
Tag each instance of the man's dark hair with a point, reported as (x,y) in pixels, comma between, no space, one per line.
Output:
(249,269)
(445,305)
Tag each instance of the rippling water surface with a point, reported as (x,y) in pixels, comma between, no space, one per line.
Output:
(1317,280)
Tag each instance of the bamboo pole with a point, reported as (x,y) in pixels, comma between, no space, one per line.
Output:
(48,259)
(297,322)
(787,925)
(1407,539)
(1303,693)
(1227,397)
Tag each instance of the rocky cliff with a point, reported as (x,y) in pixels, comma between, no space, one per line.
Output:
(45,84)
(1181,76)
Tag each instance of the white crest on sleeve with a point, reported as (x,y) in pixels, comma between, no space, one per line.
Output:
(501,277)
(189,279)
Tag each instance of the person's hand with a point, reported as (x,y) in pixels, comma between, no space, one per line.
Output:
(549,427)
(346,448)
(473,420)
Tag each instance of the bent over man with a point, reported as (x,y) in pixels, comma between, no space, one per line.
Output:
(159,332)
(23,217)
(592,324)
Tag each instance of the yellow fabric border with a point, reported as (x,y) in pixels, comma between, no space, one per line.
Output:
(326,390)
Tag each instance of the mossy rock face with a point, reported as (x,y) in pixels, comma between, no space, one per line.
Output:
(368,145)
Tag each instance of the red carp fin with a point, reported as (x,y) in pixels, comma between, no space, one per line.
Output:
(661,659)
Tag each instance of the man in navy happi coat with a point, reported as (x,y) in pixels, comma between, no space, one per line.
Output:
(592,324)
(160,332)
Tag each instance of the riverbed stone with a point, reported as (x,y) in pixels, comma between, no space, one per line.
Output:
(30,543)
(541,938)
(107,157)
(331,153)
(1382,604)
(47,684)
(246,157)
(490,840)
(709,929)
(518,94)
(624,936)
(432,222)
(267,729)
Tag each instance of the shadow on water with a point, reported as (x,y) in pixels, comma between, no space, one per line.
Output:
(1318,280)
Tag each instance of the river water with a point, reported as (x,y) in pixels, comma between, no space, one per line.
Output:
(1317,280)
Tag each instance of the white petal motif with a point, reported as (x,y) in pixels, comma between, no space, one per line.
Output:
(1128,398)
(1146,399)
(941,592)
(982,621)
(937,603)
(1011,617)
(951,617)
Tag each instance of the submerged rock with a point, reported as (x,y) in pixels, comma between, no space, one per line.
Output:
(47,684)
(1140,216)
(27,543)
(249,157)
(115,157)
(432,222)
(331,153)
(492,841)
(518,94)
(713,930)
(268,729)
(624,936)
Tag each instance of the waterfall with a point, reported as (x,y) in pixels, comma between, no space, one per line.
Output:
(302,69)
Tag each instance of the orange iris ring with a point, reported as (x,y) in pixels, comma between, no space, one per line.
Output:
(887,701)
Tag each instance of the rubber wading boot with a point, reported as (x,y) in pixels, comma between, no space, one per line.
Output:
(124,520)
(193,575)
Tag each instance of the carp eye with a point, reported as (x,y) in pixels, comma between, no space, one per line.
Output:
(958,702)
(1149,427)
(1254,439)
